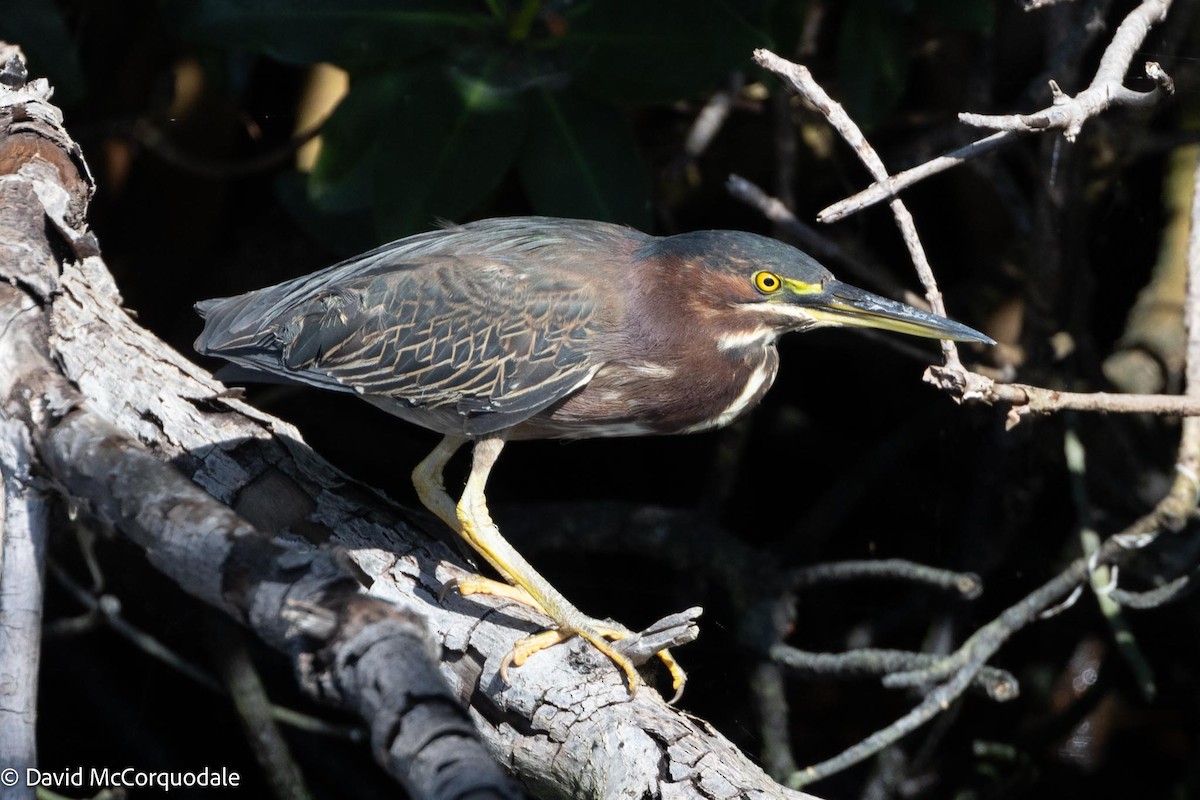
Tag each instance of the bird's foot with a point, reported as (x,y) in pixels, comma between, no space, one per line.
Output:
(630,650)
(602,636)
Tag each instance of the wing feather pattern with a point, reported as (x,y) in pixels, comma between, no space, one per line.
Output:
(437,321)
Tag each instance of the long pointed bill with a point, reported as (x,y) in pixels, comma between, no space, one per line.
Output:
(842,304)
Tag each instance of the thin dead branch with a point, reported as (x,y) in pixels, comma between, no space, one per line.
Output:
(950,676)
(1107,88)
(803,83)
(1068,114)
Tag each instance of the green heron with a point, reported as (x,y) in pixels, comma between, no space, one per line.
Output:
(534,328)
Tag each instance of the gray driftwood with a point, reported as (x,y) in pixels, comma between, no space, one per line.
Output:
(233,505)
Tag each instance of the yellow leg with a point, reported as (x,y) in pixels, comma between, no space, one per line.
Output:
(478,584)
(427,480)
(471,520)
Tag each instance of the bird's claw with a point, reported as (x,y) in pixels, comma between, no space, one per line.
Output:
(600,637)
(478,584)
(634,649)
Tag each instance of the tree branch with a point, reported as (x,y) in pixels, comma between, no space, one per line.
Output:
(1069,114)
(1106,89)
(952,675)
(23,515)
(804,84)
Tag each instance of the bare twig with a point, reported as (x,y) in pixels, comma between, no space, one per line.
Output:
(965,583)
(271,750)
(955,673)
(774,721)
(952,377)
(1103,577)
(998,684)
(1169,592)
(958,671)
(1026,399)
(107,609)
(804,84)
(891,186)
(1106,89)
(712,116)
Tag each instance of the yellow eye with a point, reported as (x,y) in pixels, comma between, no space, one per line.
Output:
(767,282)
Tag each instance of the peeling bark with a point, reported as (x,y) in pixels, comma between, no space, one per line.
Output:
(23,512)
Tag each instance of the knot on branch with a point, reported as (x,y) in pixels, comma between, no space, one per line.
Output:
(960,383)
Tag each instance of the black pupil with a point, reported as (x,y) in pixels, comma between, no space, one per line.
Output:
(769,281)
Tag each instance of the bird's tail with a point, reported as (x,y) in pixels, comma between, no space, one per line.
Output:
(233,325)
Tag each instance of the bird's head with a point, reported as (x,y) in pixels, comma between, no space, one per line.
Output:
(768,285)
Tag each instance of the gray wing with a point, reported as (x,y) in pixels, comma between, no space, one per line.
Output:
(473,333)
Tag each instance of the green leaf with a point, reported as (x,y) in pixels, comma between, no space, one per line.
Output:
(347,32)
(445,145)
(873,59)
(581,160)
(636,51)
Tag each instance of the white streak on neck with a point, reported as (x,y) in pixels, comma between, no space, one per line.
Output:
(739,340)
(761,377)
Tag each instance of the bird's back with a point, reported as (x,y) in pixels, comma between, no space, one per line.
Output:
(487,322)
